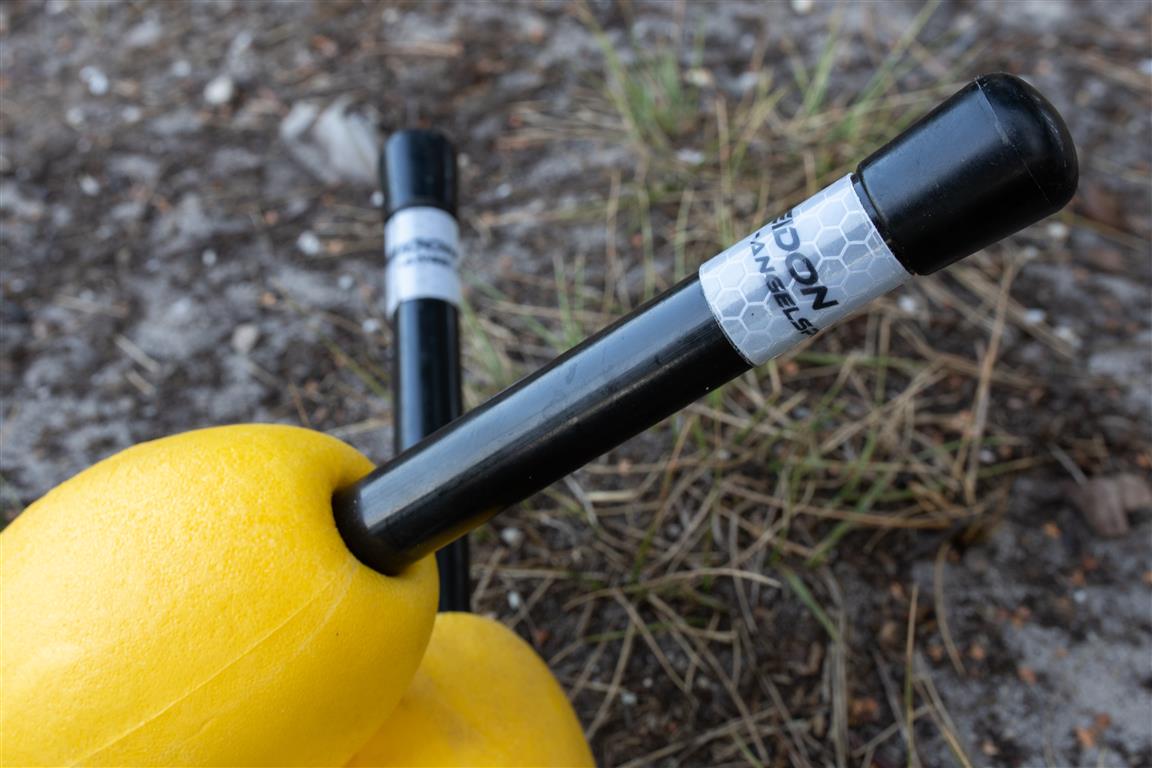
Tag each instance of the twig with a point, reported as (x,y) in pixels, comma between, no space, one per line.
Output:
(909,696)
(942,610)
(614,686)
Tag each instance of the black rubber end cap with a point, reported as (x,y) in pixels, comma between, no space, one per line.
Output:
(418,168)
(989,161)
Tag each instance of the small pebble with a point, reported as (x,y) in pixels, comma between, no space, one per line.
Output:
(74,117)
(514,600)
(699,77)
(89,186)
(346,282)
(371,325)
(219,90)
(1058,231)
(690,156)
(377,199)
(309,244)
(244,338)
(1068,335)
(512,536)
(181,68)
(748,81)
(1035,316)
(131,114)
(96,80)
(627,698)
(908,304)
(802,7)
(208,257)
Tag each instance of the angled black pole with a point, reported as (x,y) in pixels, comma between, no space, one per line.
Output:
(990,160)
(418,174)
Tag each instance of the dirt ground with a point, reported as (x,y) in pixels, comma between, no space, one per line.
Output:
(921,540)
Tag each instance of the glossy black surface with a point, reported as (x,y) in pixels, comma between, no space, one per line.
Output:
(989,161)
(643,368)
(426,369)
(427,394)
(418,168)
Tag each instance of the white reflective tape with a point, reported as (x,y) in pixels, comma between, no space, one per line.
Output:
(422,246)
(799,274)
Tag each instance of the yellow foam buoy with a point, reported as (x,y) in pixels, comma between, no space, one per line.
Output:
(482,697)
(190,601)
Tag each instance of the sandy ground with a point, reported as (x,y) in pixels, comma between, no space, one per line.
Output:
(173,256)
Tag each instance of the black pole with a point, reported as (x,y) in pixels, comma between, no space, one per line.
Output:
(992,159)
(418,174)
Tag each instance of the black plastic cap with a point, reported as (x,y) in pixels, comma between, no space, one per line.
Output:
(989,161)
(418,168)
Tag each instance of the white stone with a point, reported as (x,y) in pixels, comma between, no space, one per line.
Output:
(512,536)
(908,304)
(1068,335)
(1035,316)
(244,338)
(96,80)
(1058,230)
(309,244)
(219,90)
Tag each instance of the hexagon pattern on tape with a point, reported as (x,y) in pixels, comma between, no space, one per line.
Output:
(798,275)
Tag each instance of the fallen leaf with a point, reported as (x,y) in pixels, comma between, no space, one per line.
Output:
(1026,674)
(1107,259)
(1086,738)
(890,633)
(1106,501)
(1100,203)
(863,710)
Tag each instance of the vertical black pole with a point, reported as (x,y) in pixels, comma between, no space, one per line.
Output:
(418,173)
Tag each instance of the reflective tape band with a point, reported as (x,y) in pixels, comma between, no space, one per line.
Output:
(422,246)
(799,274)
